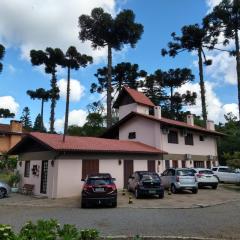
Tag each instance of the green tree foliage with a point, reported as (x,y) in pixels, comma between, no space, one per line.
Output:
(123,74)
(44,96)
(161,88)
(38,124)
(105,31)
(51,58)
(94,125)
(224,20)
(232,160)
(2,53)
(231,142)
(193,38)
(5,113)
(72,60)
(26,119)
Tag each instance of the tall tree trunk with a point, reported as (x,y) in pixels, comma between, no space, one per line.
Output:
(202,85)
(109,88)
(238,68)
(171,101)
(42,106)
(53,101)
(67,106)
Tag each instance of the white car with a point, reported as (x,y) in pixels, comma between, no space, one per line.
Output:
(226,174)
(205,177)
(4,190)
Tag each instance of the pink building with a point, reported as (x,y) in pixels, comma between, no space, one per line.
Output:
(141,140)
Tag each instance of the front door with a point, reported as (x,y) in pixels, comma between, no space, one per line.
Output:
(151,166)
(128,171)
(44,176)
(89,167)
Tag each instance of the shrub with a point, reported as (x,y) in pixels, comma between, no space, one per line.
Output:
(14,179)
(6,232)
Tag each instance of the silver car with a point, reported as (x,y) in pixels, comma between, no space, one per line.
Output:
(4,190)
(206,177)
(178,179)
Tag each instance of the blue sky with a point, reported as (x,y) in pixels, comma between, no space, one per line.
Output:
(54,23)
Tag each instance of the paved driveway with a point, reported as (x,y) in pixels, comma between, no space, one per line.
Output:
(204,198)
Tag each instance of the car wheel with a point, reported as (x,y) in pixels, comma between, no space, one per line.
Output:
(214,186)
(173,189)
(83,204)
(3,193)
(114,204)
(137,195)
(195,191)
(161,195)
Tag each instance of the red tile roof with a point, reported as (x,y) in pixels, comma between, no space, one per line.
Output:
(137,97)
(90,144)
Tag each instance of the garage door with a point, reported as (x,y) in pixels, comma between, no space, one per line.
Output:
(128,171)
(90,167)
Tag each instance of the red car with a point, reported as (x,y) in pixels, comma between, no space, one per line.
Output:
(99,189)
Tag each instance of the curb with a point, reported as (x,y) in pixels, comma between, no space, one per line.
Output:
(195,206)
(124,237)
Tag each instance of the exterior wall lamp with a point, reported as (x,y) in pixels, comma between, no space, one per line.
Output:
(119,162)
(52,163)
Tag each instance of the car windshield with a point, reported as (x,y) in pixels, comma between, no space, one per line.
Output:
(99,181)
(150,177)
(185,172)
(206,172)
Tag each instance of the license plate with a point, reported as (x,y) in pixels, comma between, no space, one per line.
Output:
(99,189)
(152,191)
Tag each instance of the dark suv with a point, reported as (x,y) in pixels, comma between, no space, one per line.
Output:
(99,189)
(145,183)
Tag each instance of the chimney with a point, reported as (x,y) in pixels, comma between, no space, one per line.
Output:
(210,125)
(190,119)
(16,126)
(157,112)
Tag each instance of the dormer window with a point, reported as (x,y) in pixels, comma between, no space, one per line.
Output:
(132,135)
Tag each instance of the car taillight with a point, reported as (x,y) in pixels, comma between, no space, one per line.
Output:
(87,187)
(177,178)
(199,175)
(111,187)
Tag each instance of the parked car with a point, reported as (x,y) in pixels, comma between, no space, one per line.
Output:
(144,183)
(99,189)
(4,190)
(226,174)
(178,179)
(205,177)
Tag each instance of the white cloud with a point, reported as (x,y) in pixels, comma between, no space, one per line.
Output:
(76,89)
(212,3)
(49,23)
(76,117)
(223,68)
(8,102)
(215,108)
(11,68)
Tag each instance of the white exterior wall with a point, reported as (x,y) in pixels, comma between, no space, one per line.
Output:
(69,178)
(206,147)
(145,130)
(133,107)
(112,167)
(36,179)
(140,165)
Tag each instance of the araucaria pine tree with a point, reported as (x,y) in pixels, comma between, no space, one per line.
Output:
(72,60)
(51,58)
(2,52)
(225,21)
(105,31)
(26,119)
(193,38)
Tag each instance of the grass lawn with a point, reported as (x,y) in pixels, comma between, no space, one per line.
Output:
(4,176)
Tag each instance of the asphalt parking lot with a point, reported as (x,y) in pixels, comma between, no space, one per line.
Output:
(217,216)
(206,197)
